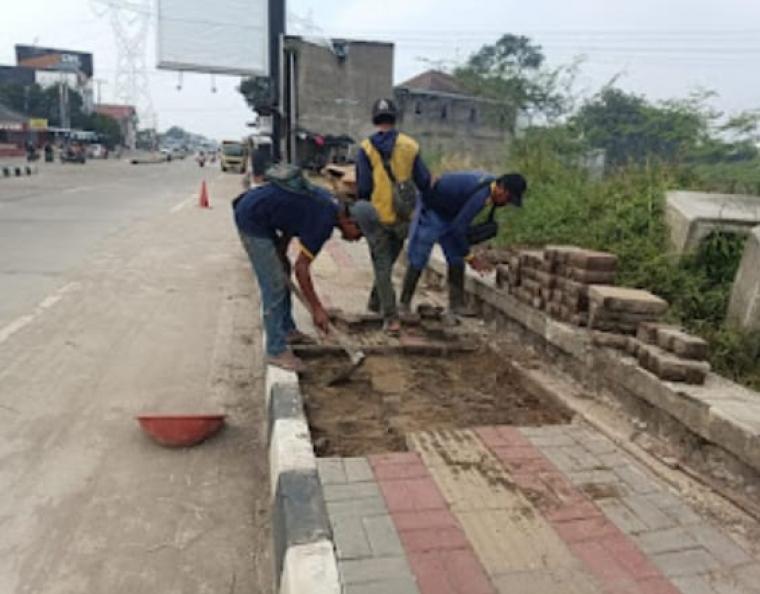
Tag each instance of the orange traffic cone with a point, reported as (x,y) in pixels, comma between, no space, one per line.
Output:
(203,200)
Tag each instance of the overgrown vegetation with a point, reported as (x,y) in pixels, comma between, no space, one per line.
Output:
(649,147)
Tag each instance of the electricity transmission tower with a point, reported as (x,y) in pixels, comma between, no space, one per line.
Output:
(130,23)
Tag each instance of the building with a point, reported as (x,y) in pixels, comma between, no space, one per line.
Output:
(126,116)
(329,88)
(13,131)
(445,119)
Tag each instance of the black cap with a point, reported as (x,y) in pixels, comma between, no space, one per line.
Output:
(384,110)
(516,184)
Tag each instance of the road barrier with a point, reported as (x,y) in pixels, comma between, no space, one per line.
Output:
(17,170)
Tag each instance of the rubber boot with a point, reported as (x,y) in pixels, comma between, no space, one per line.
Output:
(457,305)
(411,278)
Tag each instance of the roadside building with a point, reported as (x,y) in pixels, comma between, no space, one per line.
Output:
(13,131)
(125,116)
(330,86)
(445,119)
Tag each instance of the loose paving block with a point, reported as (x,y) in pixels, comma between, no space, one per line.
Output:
(682,344)
(593,260)
(609,340)
(623,299)
(671,368)
(590,277)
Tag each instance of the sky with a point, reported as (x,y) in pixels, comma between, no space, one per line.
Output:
(660,48)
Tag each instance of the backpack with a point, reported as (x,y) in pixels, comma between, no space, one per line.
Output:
(288,177)
(404,193)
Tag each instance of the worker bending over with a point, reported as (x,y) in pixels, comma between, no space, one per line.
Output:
(445,217)
(387,161)
(267,218)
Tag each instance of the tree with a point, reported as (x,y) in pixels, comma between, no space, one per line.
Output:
(108,128)
(258,94)
(511,72)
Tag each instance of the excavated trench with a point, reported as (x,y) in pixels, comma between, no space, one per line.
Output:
(393,395)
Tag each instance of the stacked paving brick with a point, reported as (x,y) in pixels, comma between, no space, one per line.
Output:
(621,310)
(670,353)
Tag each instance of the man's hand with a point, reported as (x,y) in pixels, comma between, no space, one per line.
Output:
(480,265)
(321,319)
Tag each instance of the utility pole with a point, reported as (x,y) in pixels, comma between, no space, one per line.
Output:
(99,82)
(276,41)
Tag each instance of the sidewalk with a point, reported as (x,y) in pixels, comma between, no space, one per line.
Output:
(517,510)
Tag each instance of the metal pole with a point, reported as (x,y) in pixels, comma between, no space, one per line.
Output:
(276,33)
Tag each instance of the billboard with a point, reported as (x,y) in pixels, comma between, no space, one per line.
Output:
(220,37)
(49,58)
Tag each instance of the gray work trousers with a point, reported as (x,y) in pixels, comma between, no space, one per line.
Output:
(385,244)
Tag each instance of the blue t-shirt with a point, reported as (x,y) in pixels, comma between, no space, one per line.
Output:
(270,210)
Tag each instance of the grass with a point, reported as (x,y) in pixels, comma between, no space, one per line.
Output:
(624,213)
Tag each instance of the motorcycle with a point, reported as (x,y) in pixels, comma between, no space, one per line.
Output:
(69,155)
(201,159)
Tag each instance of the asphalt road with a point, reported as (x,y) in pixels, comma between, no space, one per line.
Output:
(121,296)
(51,222)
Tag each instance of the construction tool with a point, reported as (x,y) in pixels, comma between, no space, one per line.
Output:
(355,354)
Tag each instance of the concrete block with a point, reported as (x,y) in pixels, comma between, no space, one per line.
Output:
(609,340)
(623,299)
(682,344)
(672,368)
(744,306)
(692,216)
(593,260)
(560,254)
(591,277)
(290,449)
(310,568)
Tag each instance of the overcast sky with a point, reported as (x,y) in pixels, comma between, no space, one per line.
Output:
(664,48)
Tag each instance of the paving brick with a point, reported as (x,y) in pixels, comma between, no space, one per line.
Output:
(357,470)
(682,344)
(620,515)
(605,478)
(748,575)
(600,562)
(613,460)
(729,584)
(434,539)
(659,585)
(630,557)
(693,584)
(412,469)
(625,299)
(636,480)
(682,514)
(331,471)
(382,536)
(545,582)
(552,440)
(686,562)
(357,507)
(388,586)
(574,511)
(411,495)
(354,571)
(350,539)
(350,491)
(466,573)
(651,516)
(720,546)
(417,520)
(663,541)
(585,529)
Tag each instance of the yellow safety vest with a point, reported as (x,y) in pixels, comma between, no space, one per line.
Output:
(405,151)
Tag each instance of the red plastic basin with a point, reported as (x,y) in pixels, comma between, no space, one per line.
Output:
(180,430)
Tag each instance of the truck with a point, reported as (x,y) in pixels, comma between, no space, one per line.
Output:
(234,156)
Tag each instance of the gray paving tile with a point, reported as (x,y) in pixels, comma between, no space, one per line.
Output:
(350,491)
(357,507)
(382,536)
(685,563)
(722,547)
(331,471)
(358,470)
(350,539)
(651,516)
(693,584)
(621,515)
(637,480)
(663,541)
(390,586)
(749,575)
(373,570)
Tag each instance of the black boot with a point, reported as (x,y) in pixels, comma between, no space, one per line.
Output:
(411,278)
(457,304)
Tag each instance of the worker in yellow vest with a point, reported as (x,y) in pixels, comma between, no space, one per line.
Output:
(389,172)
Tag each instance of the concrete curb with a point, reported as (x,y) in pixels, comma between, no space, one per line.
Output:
(304,552)
(17,170)
(721,412)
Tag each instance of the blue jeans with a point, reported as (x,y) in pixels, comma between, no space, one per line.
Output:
(429,228)
(275,294)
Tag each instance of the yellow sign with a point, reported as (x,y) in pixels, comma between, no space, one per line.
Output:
(38,124)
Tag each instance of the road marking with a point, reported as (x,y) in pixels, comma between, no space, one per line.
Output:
(180,206)
(10,329)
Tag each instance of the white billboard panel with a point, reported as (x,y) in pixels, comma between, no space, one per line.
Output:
(214,36)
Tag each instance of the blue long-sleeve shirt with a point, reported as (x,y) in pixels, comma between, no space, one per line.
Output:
(384,142)
(456,198)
